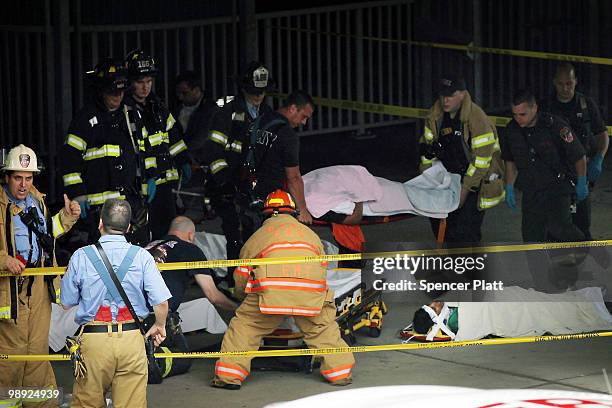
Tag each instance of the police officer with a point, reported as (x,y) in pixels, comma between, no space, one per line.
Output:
(459,134)
(226,149)
(169,151)
(272,292)
(586,122)
(112,347)
(27,239)
(546,161)
(104,153)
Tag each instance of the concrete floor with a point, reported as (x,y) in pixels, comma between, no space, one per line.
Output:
(563,365)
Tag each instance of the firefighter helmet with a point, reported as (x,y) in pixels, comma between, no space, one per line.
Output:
(256,79)
(21,158)
(109,75)
(140,64)
(278,202)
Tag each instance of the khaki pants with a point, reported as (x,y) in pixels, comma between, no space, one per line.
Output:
(249,326)
(115,362)
(30,335)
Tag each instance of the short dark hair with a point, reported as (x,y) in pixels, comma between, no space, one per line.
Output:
(566,68)
(298,98)
(116,215)
(192,79)
(522,96)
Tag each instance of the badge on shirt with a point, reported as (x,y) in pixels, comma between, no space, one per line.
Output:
(446,131)
(566,134)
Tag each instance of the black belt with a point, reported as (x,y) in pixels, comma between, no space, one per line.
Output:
(114,327)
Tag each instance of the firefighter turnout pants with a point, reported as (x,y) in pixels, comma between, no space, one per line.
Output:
(249,326)
(115,361)
(29,335)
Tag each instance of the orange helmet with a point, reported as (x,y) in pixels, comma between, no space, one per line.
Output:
(278,202)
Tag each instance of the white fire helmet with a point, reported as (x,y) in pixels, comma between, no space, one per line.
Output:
(21,158)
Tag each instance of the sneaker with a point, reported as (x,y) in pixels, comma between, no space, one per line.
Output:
(227,386)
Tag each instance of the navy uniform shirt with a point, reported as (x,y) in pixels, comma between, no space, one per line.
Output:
(83,286)
(573,113)
(545,155)
(173,249)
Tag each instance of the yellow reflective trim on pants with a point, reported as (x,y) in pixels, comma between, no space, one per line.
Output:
(76,142)
(471,170)
(141,145)
(483,140)
(236,146)
(177,148)
(57,227)
(5,312)
(492,202)
(100,198)
(482,162)
(100,152)
(170,122)
(156,139)
(428,134)
(57,296)
(218,165)
(11,403)
(150,162)
(72,178)
(425,160)
(168,362)
(218,137)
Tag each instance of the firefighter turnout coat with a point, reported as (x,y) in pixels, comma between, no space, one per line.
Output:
(104,155)
(481,147)
(276,291)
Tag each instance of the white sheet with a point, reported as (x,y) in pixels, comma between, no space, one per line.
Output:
(518,312)
(433,194)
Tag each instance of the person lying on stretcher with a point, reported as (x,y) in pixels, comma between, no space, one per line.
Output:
(433,322)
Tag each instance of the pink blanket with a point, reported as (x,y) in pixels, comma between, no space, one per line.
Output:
(323,191)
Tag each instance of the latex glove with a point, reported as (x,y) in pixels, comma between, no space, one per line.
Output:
(510,197)
(84,207)
(151,189)
(186,173)
(594,167)
(582,190)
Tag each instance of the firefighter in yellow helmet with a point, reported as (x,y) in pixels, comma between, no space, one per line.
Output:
(272,292)
(27,240)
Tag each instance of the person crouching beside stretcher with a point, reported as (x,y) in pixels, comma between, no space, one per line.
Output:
(272,292)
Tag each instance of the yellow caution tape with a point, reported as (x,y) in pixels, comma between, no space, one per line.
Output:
(467,48)
(422,113)
(336,350)
(345,257)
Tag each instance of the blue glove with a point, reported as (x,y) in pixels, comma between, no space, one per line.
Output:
(582,190)
(510,198)
(594,167)
(151,189)
(186,173)
(84,207)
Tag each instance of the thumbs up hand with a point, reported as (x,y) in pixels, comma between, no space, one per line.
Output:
(72,207)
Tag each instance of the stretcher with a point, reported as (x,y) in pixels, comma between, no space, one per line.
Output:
(359,310)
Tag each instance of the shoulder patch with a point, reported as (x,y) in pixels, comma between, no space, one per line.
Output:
(566,134)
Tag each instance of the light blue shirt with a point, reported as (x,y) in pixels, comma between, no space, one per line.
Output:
(253,110)
(23,241)
(83,286)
